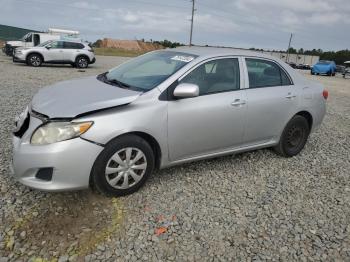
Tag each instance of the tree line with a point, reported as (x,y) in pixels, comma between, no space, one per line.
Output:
(166,43)
(339,57)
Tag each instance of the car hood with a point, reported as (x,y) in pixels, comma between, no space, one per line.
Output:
(15,43)
(71,98)
(30,48)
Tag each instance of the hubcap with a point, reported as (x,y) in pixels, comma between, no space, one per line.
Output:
(35,61)
(295,136)
(126,168)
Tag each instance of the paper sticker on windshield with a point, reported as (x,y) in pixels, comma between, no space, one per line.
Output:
(182,58)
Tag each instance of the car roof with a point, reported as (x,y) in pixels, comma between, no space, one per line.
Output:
(218,51)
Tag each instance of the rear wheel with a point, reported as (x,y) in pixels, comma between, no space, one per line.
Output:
(294,137)
(123,166)
(82,62)
(34,60)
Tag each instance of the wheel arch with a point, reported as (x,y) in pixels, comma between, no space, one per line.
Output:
(35,53)
(82,55)
(150,140)
(307,115)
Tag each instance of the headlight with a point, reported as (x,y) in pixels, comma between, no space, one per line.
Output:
(59,131)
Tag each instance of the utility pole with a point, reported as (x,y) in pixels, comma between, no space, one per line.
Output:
(290,41)
(192,22)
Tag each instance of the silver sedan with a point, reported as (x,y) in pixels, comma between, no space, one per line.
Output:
(161,109)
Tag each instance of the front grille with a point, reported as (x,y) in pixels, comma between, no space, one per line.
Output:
(23,128)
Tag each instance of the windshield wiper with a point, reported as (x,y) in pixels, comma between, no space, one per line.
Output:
(103,77)
(119,83)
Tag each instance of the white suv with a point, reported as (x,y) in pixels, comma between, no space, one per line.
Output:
(56,52)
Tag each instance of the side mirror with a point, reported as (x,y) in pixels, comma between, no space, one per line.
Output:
(48,47)
(186,90)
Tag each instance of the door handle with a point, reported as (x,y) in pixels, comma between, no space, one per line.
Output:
(238,102)
(290,96)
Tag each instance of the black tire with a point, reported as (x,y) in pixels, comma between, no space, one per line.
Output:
(98,176)
(333,74)
(82,62)
(34,60)
(294,137)
(312,72)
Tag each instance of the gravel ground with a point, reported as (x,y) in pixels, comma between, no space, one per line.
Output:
(251,206)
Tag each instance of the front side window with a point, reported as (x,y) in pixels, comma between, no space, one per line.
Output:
(147,71)
(56,44)
(263,73)
(215,76)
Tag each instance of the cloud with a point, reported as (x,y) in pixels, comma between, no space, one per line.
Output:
(239,23)
(326,19)
(84,5)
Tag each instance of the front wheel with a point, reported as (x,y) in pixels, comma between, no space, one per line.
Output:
(123,166)
(34,60)
(294,137)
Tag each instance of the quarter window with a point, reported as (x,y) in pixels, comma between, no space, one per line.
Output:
(215,76)
(264,73)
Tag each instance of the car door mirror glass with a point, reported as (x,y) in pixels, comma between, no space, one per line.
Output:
(186,90)
(48,47)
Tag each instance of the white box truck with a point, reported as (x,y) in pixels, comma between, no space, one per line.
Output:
(35,38)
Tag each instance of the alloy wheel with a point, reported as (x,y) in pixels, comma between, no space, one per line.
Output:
(82,63)
(35,60)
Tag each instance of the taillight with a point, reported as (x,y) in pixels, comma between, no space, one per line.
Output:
(325,94)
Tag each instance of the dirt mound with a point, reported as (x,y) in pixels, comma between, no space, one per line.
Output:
(132,45)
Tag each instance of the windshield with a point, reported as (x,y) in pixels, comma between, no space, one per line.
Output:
(147,71)
(45,43)
(24,37)
(322,62)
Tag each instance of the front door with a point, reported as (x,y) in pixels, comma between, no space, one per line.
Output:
(54,52)
(213,121)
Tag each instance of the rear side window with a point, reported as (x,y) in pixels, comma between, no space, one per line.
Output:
(215,76)
(70,45)
(263,73)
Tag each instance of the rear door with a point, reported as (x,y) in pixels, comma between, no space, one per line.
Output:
(213,121)
(71,50)
(271,100)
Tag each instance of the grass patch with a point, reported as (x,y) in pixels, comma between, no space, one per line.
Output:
(116,52)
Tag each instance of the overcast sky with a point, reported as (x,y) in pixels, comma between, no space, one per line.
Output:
(265,24)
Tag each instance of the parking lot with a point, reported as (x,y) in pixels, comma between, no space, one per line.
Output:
(250,206)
